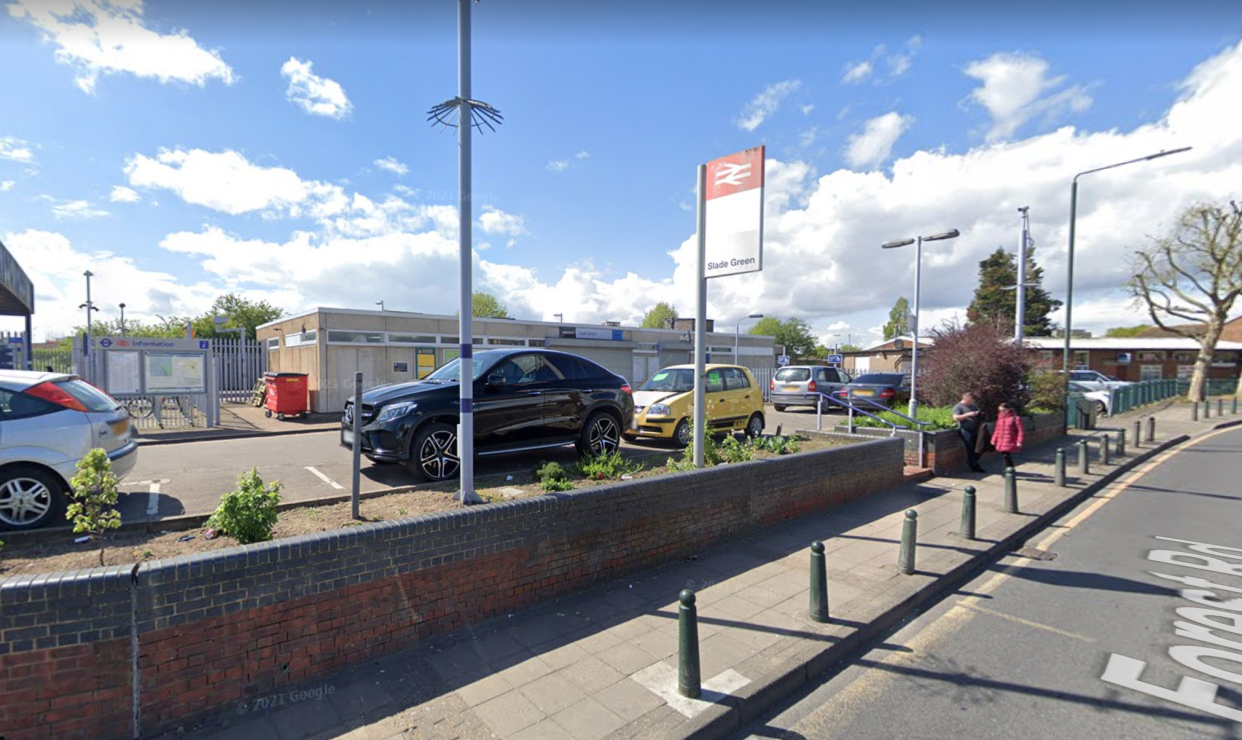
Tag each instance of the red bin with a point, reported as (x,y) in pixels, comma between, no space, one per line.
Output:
(287,395)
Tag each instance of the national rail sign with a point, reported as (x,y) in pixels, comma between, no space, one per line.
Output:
(733,205)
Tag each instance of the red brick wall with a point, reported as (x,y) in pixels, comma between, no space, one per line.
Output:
(79,691)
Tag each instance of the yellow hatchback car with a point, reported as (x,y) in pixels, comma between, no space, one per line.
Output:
(664,406)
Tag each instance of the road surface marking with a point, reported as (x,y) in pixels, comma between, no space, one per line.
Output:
(326,479)
(661,680)
(1026,622)
(153,498)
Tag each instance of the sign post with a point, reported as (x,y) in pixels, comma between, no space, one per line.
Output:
(730,242)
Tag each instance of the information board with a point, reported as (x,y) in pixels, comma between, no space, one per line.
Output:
(123,372)
(175,373)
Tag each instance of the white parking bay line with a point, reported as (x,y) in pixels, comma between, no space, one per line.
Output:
(153,498)
(326,479)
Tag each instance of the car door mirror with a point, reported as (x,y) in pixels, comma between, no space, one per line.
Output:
(497,380)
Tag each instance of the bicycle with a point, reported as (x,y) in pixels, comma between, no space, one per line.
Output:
(142,407)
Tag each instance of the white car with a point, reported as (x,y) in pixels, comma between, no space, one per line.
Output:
(1103,400)
(48,422)
(1096,381)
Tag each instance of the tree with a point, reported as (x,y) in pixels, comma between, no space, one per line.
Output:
(94,494)
(487,306)
(1193,274)
(898,320)
(241,313)
(996,301)
(654,319)
(1125,332)
(979,358)
(849,348)
(791,335)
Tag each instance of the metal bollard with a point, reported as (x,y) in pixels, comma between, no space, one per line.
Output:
(967,529)
(1207,409)
(1084,452)
(1151,429)
(1235,406)
(909,536)
(1220,407)
(1011,491)
(819,583)
(1121,442)
(1194,411)
(1058,472)
(1104,451)
(1138,433)
(688,682)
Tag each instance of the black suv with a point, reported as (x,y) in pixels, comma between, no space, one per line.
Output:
(524,399)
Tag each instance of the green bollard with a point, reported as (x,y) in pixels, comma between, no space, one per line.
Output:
(1084,452)
(1194,411)
(1011,491)
(1207,409)
(1151,429)
(1234,411)
(1220,407)
(1058,470)
(967,529)
(688,682)
(1104,451)
(909,537)
(1138,433)
(819,583)
(1121,442)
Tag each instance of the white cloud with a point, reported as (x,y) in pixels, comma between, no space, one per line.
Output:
(806,109)
(392,165)
(495,221)
(316,95)
(224,181)
(15,150)
(856,72)
(582,154)
(766,103)
(899,64)
(77,209)
(106,37)
(405,190)
(1016,88)
(122,194)
(874,145)
(7,185)
(557,165)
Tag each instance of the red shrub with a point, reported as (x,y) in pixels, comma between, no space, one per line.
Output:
(978,358)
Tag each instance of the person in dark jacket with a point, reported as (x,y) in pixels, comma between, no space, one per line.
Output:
(1008,436)
(967,414)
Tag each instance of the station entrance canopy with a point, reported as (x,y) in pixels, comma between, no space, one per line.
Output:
(16,290)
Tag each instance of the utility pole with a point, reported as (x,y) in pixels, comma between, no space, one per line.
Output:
(1024,243)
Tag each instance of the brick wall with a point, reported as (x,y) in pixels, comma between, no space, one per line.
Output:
(226,627)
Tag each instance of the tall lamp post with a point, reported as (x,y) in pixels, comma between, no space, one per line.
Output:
(1069,279)
(89,306)
(122,319)
(918,284)
(381,305)
(736,331)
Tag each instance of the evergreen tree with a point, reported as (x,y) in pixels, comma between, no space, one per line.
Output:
(898,319)
(995,300)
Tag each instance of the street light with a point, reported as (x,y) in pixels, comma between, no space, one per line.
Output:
(89,306)
(380,304)
(1069,279)
(122,319)
(560,318)
(918,284)
(736,330)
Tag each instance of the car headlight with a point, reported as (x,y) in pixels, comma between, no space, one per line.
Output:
(397,409)
(659,409)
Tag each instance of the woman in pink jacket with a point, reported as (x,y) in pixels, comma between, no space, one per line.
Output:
(1007,437)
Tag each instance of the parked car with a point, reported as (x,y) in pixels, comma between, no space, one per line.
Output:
(664,406)
(1096,381)
(48,422)
(886,389)
(1103,400)
(524,399)
(796,385)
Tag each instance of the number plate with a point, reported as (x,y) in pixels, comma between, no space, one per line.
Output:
(864,393)
(347,438)
(791,387)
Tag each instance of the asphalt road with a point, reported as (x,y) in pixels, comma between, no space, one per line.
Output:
(189,477)
(1021,651)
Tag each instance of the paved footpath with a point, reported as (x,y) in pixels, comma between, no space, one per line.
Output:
(602,663)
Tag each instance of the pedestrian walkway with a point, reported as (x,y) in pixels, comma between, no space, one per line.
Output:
(603,663)
(242,420)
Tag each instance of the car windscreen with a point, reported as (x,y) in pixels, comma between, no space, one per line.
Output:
(793,374)
(88,395)
(451,370)
(680,380)
(878,379)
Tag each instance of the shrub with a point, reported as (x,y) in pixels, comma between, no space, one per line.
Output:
(1047,391)
(734,451)
(93,510)
(937,418)
(977,358)
(779,445)
(247,513)
(609,466)
(552,478)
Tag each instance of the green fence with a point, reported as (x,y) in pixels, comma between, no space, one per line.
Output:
(60,360)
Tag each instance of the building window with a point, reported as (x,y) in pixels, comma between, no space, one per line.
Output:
(273,344)
(1151,372)
(504,342)
(1082,359)
(301,338)
(1184,357)
(536,343)
(453,341)
(398,338)
(1150,356)
(355,337)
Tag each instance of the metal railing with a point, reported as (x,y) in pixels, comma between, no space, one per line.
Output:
(852,409)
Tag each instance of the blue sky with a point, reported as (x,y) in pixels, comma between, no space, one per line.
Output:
(180,150)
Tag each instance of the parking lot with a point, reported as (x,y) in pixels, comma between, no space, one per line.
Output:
(189,477)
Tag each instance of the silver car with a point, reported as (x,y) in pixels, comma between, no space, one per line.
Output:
(48,422)
(798,385)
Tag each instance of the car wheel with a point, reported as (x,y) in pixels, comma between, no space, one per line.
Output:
(433,457)
(754,427)
(1100,410)
(29,498)
(779,407)
(681,435)
(600,436)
